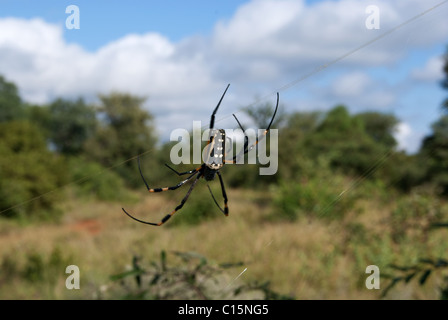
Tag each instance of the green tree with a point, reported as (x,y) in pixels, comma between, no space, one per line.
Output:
(435,146)
(262,114)
(435,149)
(292,136)
(125,131)
(343,139)
(71,124)
(380,127)
(445,80)
(11,107)
(28,171)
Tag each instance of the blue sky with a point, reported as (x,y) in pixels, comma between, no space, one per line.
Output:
(105,21)
(181,54)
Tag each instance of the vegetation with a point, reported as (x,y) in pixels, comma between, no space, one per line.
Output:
(343,198)
(196,278)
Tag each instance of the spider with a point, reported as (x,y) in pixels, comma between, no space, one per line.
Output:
(213,162)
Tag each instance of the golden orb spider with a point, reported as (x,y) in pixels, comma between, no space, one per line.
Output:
(214,161)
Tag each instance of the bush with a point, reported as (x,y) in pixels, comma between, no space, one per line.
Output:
(200,205)
(319,193)
(414,214)
(92,179)
(195,278)
(29,173)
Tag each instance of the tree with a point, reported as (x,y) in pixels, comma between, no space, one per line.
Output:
(292,137)
(445,81)
(27,171)
(380,127)
(125,131)
(435,148)
(70,125)
(262,114)
(343,140)
(11,107)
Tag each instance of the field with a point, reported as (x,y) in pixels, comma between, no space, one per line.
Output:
(311,258)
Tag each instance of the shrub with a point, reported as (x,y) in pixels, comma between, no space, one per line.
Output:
(319,192)
(195,278)
(200,205)
(414,214)
(29,173)
(92,179)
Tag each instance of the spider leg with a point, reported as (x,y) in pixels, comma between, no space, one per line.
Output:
(212,119)
(175,210)
(246,149)
(182,173)
(224,195)
(180,184)
(246,143)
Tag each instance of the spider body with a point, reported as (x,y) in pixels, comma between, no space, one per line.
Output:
(208,173)
(214,160)
(214,156)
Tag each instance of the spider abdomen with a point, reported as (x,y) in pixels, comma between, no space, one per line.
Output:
(214,152)
(209,174)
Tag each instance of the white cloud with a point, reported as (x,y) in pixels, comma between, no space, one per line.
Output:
(407,138)
(263,46)
(352,84)
(357,90)
(296,37)
(34,54)
(432,71)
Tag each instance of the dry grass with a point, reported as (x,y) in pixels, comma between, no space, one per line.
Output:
(307,259)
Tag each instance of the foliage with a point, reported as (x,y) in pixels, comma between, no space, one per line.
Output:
(11,107)
(200,205)
(319,193)
(422,270)
(413,216)
(195,278)
(243,175)
(435,149)
(425,266)
(402,171)
(71,124)
(445,80)
(380,127)
(125,132)
(339,135)
(28,171)
(40,272)
(94,180)
(262,115)
(37,268)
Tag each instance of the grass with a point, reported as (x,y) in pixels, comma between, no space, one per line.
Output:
(309,258)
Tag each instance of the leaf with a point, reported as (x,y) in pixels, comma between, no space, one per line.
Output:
(439,225)
(425,276)
(428,261)
(391,285)
(409,277)
(163,259)
(123,275)
(231,265)
(441,263)
(155,279)
(400,268)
